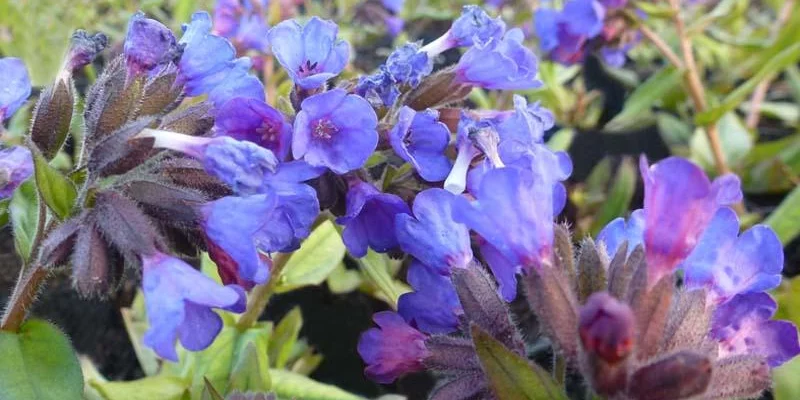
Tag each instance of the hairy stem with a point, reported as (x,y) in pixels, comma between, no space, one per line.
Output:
(259,297)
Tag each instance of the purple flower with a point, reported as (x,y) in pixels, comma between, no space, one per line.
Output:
(241,164)
(252,33)
(208,65)
(393,349)
(607,327)
(743,326)
(15,86)
(679,202)
(619,231)
(504,64)
(85,47)
(243,23)
(238,228)
(421,140)
(546,21)
(727,264)
(394,24)
(16,166)
(336,130)
(408,65)
(227,14)
(564,34)
(148,44)
(380,89)
(456,180)
(255,121)
(527,124)
(514,210)
(370,219)
(472,27)
(433,306)
(178,300)
(395,6)
(431,235)
(310,54)
(583,17)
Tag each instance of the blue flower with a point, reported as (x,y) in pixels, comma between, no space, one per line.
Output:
(504,64)
(395,6)
(584,17)
(15,86)
(232,81)
(456,180)
(742,326)
(474,24)
(370,219)
(255,121)
(178,300)
(16,166)
(421,140)
(243,23)
(727,264)
(310,54)
(393,349)
(527,124)
(148,44)
(380,89)
(618,231)
(336,130)
(431,235)
(433,306)
(408,65)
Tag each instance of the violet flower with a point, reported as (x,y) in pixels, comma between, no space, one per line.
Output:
(242,22)
(504,64)
(16,166)
(620,231)
(473,24)
(726,264)
(392,349)
(379,89)
(407,64)
(255,121)
(421,140)
(527,123)
(15,86)
(336,130)
(311,54)
(433,307)
(370,219)
(179,300)
(743,326)
(148,44)
(431,235)
(456,180)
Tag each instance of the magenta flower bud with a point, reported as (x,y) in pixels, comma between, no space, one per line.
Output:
(606,327)
(393,349)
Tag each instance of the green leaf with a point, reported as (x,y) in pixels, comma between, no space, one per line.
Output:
(376,269)
(284,337)
(561,140)
(4,218)
(24,217)
(675,131)
(251,371)
(213,363)
(655,10)
(56,190)
(160,387)
(317,257)
(772,66)
(786,386)
(343,280)
(289,385)
(771,167)
(644,98)
(38,363)
(510,376)
(785,220)
(735,139)
(619,197)
(210,393)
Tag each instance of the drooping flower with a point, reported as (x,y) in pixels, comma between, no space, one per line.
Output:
(336,130)
(679,202)
(473,26)
(16,166)
(179,302)
(255,121)
(208,65)
(408,65)
(370,219)
(433,306)
(421,140)
(148,44)
(380,88)
(392,349)
(241,164)
(85,47)
(310,54)
(743,326)
(15,86)
(504,64)
(431,235)
(726,264)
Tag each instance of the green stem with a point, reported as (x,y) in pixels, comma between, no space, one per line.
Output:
(259,297)
(559,369)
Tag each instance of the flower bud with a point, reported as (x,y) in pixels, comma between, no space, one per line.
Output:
(84,49)
(52,117)
(606,328)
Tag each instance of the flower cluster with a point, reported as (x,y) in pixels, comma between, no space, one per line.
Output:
(569,34)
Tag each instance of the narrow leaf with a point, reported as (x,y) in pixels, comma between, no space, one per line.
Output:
(288,385)
(619,197)
(24,215)
(284,337)
(56,190)
(785,220)
(645,97)
(162,387)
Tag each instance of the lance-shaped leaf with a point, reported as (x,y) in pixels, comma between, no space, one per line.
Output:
(195,120)
(284,337)
(251,369)
(57,246)
(161,95)
(119,152)
(451,354)
(57,191)
(591,271)
(651,315)
(678,376)
(24,215)
(90,262)
(288,385)
(52,117)
(110,103)
(510,376)
(124,225)
(741,377)
(550,296)
(190,173)
(38,363)
(166,202)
